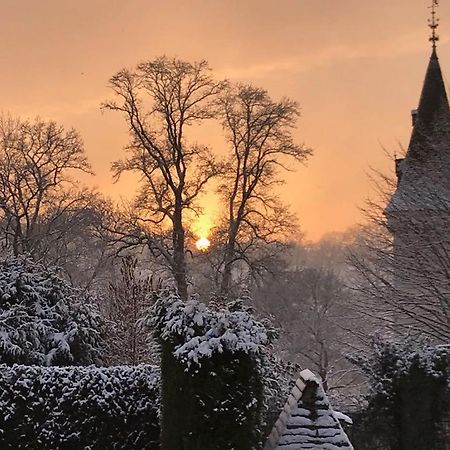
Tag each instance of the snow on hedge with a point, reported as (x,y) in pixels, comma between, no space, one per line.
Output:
(199,332)
(79,407)
(44,320)
(392,360)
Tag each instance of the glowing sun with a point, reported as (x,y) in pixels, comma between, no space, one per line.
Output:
(203,244)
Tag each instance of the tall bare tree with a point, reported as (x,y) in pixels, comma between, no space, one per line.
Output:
(259,133)
(403,281)
(160,100)
(38,200)
(82,249)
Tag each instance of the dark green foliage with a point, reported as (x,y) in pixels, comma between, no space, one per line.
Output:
(212,390)
(370,431)
(216,406)
(409,400)
(79,407)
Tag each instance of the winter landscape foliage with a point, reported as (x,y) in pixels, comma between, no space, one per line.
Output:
(91,293)
(210,363)
(199,332)
(45,321)
(79,407)
(408,399)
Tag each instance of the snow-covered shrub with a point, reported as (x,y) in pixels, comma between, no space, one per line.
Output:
(44,320)
(390,362)
(79,407)
(409,395)
(211,387)
(199,332)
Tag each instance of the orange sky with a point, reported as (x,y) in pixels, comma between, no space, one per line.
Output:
(356,67)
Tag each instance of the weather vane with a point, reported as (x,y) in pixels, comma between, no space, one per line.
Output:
(433,23)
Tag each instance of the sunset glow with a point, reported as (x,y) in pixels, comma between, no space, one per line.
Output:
(73,48)
(203,244)
(201,225)
(245,203)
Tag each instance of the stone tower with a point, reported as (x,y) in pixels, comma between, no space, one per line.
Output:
(418,213)
(423,176)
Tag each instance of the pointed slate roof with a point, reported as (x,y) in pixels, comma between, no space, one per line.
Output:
(433,97)
(307,421)
(433,109)
(424,173)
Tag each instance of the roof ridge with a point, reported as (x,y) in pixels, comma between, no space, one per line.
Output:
(433,97)
(283,429)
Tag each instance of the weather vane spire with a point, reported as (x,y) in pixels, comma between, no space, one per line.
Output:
(433,22)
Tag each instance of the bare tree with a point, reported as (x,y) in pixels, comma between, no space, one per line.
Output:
(82,249)
(172,170)
(310,304)
(259,132)
(130,297)
(43,212)
(403,259)
(36,192)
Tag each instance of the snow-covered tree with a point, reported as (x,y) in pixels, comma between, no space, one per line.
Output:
(45,321)
(408,400)
(211,382)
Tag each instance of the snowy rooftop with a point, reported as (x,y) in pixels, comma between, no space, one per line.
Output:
(307,420)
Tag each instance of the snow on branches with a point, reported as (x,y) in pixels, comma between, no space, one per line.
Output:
(198,331)
(391,361)
(43,320)
(79,407)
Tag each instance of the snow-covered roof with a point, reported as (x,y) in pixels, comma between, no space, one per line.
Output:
(307,420)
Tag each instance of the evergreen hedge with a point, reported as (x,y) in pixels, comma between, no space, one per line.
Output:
(409,397)
(79,407)
(211,387)
(217,406)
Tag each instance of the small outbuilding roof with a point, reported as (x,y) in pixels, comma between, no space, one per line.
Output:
(307,421)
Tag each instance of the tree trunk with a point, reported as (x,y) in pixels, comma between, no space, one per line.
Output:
(228,259)
(179,262)
(227,266)
(226,275)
